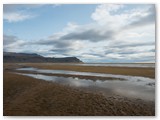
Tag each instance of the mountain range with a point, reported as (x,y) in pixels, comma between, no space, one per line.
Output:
(11,57)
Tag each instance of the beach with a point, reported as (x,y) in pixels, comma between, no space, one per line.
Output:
(25,95)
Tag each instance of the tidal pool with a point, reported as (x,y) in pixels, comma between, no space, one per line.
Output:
(132,86)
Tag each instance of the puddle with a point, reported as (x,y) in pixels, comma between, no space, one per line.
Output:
(133,86)
(67,72)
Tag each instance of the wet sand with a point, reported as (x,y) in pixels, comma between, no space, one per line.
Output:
(134,71)
(28,96)
(145,72)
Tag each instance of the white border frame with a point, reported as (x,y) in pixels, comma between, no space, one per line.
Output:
(157,2)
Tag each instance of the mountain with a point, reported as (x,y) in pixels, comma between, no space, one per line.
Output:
(11,57)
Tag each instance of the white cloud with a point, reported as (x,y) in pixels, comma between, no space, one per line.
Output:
(116,17)
(116,33)
(16,12)
(17,16)
(103,16)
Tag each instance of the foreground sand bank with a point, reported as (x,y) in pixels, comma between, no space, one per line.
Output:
(28,96)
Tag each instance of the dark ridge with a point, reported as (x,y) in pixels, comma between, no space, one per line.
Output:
(11,57)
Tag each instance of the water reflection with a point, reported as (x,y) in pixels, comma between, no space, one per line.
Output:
(129,88)
(67,72)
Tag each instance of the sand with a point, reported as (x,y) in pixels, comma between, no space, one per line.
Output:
(145,72)
(28,96)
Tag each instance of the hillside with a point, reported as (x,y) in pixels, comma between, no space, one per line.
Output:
(11,57)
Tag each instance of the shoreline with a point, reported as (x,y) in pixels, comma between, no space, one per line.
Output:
(142,72)
(27,96)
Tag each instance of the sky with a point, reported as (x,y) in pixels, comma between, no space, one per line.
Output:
(116,33)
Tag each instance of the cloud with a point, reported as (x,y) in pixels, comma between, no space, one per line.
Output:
(144,17)
(131,45)
(15,12)
(13,43)
(16,17)
(116,16)
(90,35)
(116,34)
(104,16)
(7,40)
(112,36)
(16,7)
(61,51)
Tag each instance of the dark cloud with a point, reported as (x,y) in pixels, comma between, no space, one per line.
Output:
(125,50)
(62,44)
(61,50)
(130,45)
(7,40)
(13,43)
(96,55)
(16,7)
(90,35)
(143,20)
(67,40)
(152,50)
(55,43)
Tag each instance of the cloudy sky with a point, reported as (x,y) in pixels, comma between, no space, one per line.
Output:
(91,32)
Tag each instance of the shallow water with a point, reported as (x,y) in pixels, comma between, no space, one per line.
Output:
(67,72)
(132,86)
(141,65)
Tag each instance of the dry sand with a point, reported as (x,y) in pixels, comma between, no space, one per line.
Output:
(28,96)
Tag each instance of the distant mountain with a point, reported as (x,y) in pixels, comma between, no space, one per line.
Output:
(11,57)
